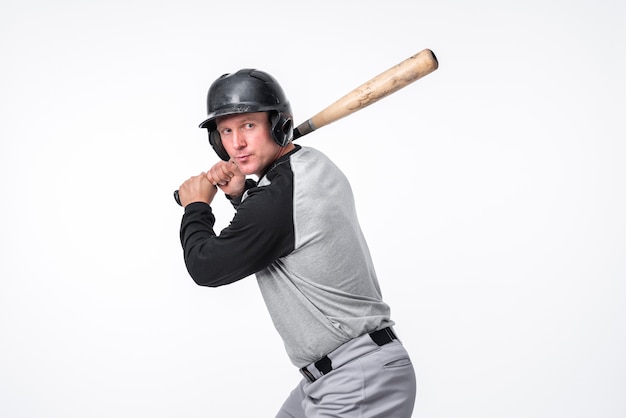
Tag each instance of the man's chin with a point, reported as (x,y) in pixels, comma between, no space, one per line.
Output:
(246,169)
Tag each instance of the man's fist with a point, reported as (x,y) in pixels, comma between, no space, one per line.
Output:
(197,189)
(226,176)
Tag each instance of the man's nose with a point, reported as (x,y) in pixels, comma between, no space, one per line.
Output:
(239,140)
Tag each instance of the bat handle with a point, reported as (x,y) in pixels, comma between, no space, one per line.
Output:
(303,129)
(177,197)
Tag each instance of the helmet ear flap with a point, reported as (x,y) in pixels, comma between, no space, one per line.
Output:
(282,128)
(216,142)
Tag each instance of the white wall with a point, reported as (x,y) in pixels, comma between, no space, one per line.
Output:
(491,192)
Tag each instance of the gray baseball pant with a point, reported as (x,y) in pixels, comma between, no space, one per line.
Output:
(366,381)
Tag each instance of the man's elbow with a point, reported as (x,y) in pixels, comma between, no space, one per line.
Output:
(207,277)
(205,280)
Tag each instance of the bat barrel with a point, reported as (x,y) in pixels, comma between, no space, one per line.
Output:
(384,84)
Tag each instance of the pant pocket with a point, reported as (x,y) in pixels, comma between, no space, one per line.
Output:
(401,362)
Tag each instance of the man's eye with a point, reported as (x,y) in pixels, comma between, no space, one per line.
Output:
(249,125)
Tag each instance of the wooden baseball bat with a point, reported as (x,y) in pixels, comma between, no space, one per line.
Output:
(384,84)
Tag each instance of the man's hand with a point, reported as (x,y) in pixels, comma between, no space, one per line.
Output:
(226,176)
(197,189)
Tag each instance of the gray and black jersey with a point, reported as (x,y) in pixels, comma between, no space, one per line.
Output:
(297,230)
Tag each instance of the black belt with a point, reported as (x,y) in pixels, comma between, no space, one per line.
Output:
(324,365)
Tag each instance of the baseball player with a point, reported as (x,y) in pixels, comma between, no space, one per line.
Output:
(296,229)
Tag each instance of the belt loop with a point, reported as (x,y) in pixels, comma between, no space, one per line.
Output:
(390,332)
(324,365)
(383,336)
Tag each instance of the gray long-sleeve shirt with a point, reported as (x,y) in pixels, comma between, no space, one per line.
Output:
(297,230)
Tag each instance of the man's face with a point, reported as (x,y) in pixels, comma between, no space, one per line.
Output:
(246,138)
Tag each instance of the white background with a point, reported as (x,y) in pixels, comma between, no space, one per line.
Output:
(491,193)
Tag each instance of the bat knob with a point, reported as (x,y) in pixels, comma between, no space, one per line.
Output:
(177,197)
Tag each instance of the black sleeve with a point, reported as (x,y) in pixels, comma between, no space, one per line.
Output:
(260,232)
(237,201)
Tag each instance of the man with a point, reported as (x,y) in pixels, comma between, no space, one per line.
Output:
(296,229)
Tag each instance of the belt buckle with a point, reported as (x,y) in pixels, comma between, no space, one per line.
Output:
(307,374)
(323,366)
